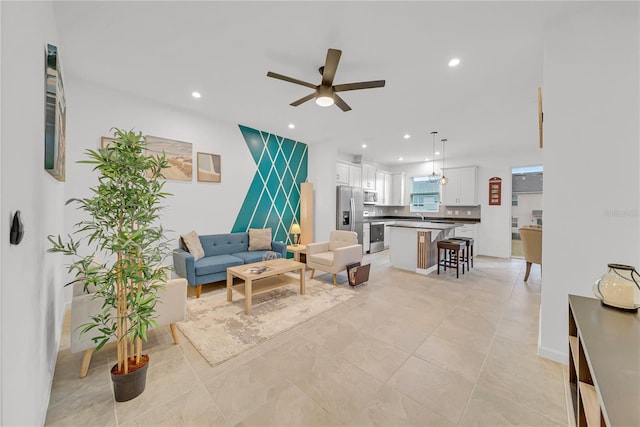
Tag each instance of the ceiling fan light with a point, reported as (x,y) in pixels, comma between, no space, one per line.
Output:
(324,101)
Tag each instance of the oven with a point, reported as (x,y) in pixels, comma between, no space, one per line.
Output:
(376,237)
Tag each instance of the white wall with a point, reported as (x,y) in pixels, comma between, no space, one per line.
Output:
(31,292)
(204,207)
(591,97)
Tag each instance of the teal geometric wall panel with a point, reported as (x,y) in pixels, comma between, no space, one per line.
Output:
(273,199)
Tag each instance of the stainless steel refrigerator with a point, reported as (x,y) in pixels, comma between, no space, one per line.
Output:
(349,206)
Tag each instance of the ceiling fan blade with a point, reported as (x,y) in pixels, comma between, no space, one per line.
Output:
(340,103)
(290,80)
(303,99)
(359,85)
(330,66)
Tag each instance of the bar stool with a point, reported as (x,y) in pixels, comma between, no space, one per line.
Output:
(453,253)
(469,254)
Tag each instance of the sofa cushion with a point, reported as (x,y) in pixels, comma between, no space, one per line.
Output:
(192,243)
(216,264)
(323,258)
(254,256)
(259,239)
(224,244)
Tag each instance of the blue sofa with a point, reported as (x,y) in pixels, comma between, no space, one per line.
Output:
(220,251)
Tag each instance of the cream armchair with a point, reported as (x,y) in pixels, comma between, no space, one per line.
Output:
(531,246)
(334,255)
(170,308)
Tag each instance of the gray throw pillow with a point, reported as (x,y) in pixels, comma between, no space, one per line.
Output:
(259,239)
(192,243)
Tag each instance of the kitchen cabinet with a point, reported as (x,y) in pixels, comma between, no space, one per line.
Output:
(387,234)
(383,188)
(366,237)
(342,173)
(461,189)
(355,176)
(397,190)
(470,230)
(368,176)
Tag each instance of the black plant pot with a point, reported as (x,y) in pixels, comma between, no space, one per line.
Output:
(131,385)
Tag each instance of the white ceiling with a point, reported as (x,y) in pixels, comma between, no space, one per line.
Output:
(165,50)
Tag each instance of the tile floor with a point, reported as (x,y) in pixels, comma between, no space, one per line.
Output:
(407,350)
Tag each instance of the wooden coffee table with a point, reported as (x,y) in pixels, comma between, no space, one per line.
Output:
(253,283)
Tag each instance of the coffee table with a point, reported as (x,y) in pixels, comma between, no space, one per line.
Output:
(253,283)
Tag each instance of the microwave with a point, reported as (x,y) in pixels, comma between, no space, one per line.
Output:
(370,197)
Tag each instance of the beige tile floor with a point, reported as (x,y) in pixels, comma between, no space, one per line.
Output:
(407,350)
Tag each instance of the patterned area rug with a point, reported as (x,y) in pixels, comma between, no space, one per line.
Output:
(220,330)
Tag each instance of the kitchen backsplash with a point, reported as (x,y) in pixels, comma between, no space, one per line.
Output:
(469,212)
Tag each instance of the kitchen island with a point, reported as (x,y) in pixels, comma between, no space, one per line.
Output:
(413,244)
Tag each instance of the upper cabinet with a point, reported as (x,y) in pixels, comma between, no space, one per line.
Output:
(397,189)
(368,176)
(461,190)
(342,173)
(355,176)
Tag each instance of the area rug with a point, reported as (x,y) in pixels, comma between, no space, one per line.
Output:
(220,330)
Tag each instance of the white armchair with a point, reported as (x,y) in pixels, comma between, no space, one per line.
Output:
(333,256)
(170,308)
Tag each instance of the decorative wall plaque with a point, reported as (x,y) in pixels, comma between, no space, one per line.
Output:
(495,191)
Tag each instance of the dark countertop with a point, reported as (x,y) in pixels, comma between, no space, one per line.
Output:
(426,219)
(427,225)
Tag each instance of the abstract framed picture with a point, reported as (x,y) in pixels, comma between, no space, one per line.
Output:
(179,156)
(209,167)
(55,115)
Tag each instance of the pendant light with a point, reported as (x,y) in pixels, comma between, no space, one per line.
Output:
(433,177)
(444,179)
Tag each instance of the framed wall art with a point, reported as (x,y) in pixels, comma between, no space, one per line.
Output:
(55,115)
(179,155)
(209,167)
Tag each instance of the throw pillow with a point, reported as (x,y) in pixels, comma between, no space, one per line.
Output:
(259,239)
(192,243)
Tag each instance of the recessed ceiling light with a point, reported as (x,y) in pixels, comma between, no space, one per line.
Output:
(437,153)
(291,126)
(196,94)
(400,158)
(426,159)
(364,145)
(407,136)
(454,62)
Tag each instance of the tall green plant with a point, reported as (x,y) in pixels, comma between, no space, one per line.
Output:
(121,227)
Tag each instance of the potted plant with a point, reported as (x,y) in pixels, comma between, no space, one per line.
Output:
(124,245)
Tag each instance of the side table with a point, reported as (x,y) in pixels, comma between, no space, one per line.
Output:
(297,251)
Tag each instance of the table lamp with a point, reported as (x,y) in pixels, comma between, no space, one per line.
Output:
(295,230)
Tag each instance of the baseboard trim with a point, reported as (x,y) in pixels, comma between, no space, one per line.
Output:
(556,356)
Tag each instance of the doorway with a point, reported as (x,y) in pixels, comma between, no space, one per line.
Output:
(526,203)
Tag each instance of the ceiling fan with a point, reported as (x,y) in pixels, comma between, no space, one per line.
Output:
(326,93)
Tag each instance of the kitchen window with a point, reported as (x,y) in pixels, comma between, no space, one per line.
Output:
(425,194)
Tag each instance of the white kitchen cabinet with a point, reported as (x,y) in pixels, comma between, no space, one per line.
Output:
(355,176)
(380,187)
(470,230)
(383,188)
(366,237)
(342,173)
(461,190)
(387,234)
(396,197)
(368,176)
(387,189)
